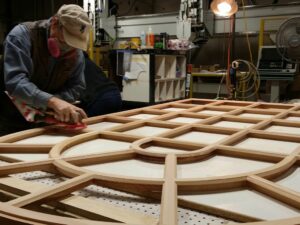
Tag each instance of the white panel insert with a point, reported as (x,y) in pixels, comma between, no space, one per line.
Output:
(201,137)
(96,146)
(103,126)
(143,116)
(246,202)
(268,145)
(212,112)
(147,131)
(132,168)
(219,166)
(157,149)
(26,156)
(292,181)
(229,124)
(174,109)
(284,129)
(255,115)
(185,120)
(293,118)
(44,139)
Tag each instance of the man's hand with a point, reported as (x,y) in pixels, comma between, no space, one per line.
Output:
(66,112)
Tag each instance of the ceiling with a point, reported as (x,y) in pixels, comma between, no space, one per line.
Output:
(265,2)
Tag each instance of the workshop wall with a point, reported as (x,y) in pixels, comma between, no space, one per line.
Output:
(135,7)
(215,50)
(138,7)
(13,12)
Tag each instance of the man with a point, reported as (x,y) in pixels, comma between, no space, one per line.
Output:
(44,68)
(102,96)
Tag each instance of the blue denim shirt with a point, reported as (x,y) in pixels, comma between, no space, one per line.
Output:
(18,67)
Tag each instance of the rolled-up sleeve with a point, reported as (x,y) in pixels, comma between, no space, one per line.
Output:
(18,66)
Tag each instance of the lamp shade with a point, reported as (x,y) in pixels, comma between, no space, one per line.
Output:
(224,8)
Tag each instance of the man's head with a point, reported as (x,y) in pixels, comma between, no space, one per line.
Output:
(74,23)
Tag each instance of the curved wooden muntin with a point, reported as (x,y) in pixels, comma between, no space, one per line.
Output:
(168,188)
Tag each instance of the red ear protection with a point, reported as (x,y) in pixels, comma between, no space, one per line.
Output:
(53,47)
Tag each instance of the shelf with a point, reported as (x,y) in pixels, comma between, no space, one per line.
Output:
(170,73)
(170,66)
(159,66)
(170,79)
(180,66)
(169,90)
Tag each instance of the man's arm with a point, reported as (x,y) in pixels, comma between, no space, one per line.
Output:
(18,66)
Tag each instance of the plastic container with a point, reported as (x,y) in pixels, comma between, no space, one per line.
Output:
(143,39)
(150,38)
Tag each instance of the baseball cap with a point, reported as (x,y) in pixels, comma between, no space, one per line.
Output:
(75,25)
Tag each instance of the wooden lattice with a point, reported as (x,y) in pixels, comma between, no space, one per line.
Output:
(236,160)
